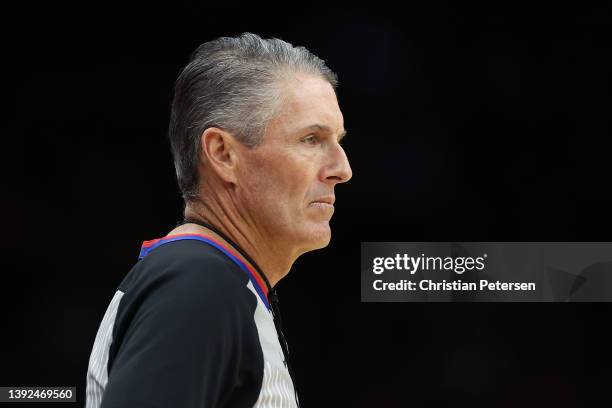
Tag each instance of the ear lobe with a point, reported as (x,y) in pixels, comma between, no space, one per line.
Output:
(217,153)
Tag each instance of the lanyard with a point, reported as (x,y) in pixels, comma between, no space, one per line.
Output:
(272,297)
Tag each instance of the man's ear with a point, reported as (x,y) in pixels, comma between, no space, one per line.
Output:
(218,151)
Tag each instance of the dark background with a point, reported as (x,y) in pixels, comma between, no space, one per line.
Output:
(464,124)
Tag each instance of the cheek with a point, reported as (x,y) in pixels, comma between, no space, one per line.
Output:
(289,174)
(282,182)
(297,179)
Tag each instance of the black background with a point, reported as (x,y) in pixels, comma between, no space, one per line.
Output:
(464,124)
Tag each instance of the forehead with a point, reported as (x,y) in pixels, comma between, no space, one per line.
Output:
(307,100)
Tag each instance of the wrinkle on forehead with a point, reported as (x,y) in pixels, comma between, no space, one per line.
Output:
(307,100)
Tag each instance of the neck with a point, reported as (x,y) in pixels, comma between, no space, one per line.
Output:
(261,249)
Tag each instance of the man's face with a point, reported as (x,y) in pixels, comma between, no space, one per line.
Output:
(287,182)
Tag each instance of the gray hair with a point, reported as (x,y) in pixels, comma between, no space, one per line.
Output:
(233,83)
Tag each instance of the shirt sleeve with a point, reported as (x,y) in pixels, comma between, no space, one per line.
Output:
(188,339)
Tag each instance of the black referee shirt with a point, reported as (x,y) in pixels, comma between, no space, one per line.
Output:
(189,326)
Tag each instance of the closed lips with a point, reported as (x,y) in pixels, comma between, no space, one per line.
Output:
(325,200)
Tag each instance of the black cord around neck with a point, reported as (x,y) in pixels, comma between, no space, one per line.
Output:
(232,243)
(272,296)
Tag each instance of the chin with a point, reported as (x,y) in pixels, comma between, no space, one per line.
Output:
(317,237)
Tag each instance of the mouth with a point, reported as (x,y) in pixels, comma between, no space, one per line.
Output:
(318,204)
(324,203)
(329,200)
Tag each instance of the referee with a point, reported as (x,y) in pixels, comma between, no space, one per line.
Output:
(255,132)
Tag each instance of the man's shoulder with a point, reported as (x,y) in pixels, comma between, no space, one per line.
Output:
(190,267)
(182,300)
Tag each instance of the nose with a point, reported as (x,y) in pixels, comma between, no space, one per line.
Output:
(339,170)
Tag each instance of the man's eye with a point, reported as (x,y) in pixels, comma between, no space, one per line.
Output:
(310,139)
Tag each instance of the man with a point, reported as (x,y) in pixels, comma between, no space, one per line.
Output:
(255,133)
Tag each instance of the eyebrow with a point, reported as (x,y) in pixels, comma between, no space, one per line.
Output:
(325,128)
